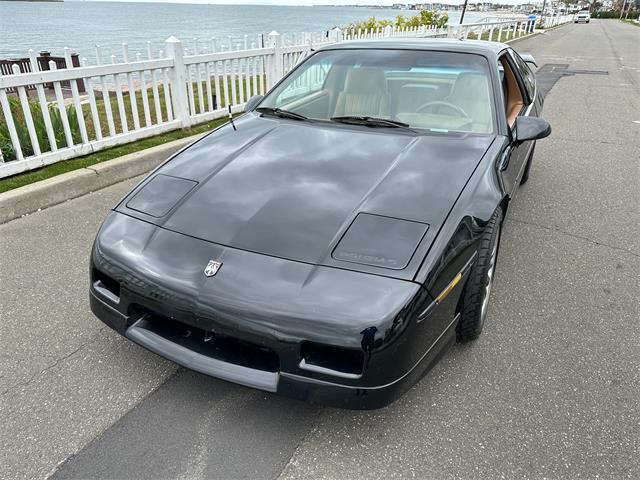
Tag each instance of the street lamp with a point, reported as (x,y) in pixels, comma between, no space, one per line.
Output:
(464,9)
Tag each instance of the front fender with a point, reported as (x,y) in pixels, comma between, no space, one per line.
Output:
(458,239)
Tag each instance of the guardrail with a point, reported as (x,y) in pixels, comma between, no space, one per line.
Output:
(136,98)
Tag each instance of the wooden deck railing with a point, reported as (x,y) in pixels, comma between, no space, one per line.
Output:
(24,66)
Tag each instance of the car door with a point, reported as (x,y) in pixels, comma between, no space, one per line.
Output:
(518,101)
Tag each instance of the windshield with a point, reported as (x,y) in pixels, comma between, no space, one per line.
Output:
(436,91)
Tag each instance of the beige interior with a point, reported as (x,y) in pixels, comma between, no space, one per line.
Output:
(513,100)
(470,92)
(365,94)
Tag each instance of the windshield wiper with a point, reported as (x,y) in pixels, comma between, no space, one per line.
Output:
(371,121)
(278,112)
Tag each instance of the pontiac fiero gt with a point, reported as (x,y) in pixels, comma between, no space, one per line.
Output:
(334,240)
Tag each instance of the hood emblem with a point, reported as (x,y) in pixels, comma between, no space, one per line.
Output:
(212,268)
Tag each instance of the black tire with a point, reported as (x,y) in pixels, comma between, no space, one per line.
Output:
(475,297)
(525,175)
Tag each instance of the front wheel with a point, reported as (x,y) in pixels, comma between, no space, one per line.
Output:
(475,298)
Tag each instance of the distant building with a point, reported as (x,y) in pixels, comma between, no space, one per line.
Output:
(525,8)
(606,5)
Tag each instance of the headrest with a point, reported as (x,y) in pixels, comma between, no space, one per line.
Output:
(365,80)
(470,84)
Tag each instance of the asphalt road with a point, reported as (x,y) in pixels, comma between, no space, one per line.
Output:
(551,389)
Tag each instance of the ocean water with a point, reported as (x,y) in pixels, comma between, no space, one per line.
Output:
(82,25)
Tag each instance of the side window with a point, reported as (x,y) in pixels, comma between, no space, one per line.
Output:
(503,82)
(308,82)
(526,74)
(514,97)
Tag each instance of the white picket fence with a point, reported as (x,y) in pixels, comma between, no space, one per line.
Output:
(185,89)
(504,30)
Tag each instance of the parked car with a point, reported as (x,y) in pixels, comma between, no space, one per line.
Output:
(331,243)
(582,17)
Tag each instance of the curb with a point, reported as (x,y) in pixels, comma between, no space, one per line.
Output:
(52,191)
(516,40)
(536,33)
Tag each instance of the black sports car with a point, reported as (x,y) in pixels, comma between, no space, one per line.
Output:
(334,240)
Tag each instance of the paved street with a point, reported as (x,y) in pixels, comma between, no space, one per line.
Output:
(551,389)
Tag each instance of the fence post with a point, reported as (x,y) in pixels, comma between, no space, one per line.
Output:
(175,51)
(387,30)
(277,68)
(335,35)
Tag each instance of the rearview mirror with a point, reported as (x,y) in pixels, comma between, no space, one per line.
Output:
(252,102)
(531,128)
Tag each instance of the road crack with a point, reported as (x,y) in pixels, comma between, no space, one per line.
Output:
(53,365)
(573,235)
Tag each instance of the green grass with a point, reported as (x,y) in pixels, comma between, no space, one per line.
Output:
(81,162)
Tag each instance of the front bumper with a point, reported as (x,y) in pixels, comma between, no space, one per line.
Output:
(325,335)
(312,390)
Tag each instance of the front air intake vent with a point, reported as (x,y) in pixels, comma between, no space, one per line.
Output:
(330,360)
(106,286)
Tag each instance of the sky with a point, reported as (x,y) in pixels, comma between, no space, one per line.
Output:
(315,2)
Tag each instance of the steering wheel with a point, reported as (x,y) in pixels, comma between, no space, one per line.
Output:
(449,105)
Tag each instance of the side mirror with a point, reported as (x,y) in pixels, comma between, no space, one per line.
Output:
(531,128)
(528,58)
(252,102)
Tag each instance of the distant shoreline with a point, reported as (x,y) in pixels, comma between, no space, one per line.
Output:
(59,1)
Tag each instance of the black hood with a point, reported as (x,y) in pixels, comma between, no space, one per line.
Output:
(292,190)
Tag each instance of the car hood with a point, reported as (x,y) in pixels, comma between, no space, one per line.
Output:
(332,195)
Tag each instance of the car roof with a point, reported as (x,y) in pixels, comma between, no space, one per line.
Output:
(488,49)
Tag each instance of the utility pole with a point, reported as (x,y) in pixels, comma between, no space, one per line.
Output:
(464,9)
(544,4)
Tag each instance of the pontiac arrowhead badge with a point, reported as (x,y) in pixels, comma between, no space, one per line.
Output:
(212,268)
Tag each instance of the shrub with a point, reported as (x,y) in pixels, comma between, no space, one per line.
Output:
(423,18)
(6,146)
(633,14)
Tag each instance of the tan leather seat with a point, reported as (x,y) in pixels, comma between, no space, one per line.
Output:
(365,94)
(513,100)
(470,92)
